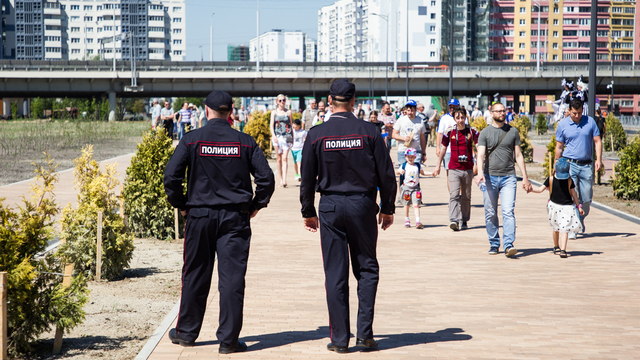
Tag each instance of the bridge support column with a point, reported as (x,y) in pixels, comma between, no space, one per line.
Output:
(6,106)
(20,107)
(26,110)
(516,103)
(112,105)
(301,103)
(532,106)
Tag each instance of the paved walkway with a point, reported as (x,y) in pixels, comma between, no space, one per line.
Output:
(64,188)
(440,294)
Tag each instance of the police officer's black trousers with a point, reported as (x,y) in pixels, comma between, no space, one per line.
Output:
(348,226)
(225,231)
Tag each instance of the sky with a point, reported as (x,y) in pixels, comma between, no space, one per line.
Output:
(234,22)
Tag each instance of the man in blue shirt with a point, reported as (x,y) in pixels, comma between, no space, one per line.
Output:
(576,137)
(510,114)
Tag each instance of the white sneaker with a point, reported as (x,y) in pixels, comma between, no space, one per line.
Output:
(572,236)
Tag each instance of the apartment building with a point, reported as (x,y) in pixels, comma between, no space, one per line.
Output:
(564,32)
(470,29)
(95,29)
(376,30)
(280,45)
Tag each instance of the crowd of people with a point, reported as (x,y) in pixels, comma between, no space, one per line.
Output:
(343,152)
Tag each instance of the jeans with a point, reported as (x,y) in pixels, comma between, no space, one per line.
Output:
(582,176)
(182,130)
(505,187)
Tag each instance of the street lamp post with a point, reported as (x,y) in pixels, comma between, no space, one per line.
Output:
(407,91)
(258,36)
(537,4)
(386,67)
(615,40)
(451,54)
(211,39)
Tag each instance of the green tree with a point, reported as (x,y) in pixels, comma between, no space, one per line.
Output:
(79,226)
(541,124)
(615,130)
(146,204)
(258,128)
(551,150)
(522,124)
(37,108)
(14,110)
(627,182)
(37,299)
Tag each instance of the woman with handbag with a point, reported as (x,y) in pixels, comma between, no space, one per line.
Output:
(281,136)
(462,139)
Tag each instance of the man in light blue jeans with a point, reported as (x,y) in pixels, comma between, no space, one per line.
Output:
(577,137)
(500,143)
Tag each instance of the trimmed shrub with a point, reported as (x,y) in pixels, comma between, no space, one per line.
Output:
(522,124)
(479,123)
(146,204)
(258,128)
(551,149)
(541,124)
(614,127)
(627,182)
(80,226)
(36,298)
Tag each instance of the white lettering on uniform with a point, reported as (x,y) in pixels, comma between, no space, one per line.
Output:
(225,150)
(343,144)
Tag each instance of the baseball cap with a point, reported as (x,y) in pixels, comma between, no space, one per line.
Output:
(190,105)
(411,103)
(342,90)
(562,169)
(219,100)
(410,152)
(454,102)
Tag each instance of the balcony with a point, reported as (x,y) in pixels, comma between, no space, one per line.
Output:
(156,45)
(53,22)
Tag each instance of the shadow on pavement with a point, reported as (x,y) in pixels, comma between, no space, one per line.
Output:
(394,341)
(583,253)
(595,235)
(529,252)
(267,341)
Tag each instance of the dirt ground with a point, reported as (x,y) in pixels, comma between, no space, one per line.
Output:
(122,315)
(18,168)
(601,193)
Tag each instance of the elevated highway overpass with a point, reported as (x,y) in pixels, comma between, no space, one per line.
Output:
(24,78)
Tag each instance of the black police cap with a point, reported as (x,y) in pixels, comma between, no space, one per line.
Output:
(342,90)
(219,101)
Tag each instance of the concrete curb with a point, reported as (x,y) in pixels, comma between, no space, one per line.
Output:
(607,209)
(153,341)
(66,170)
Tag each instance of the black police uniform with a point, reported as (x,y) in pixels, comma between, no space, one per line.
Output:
(346,160)
(220,162)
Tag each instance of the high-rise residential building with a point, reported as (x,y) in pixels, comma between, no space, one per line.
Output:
(237,53)
(565,30)
(280,45)
(470,29)
(376,30)
(86,29)
(623,14)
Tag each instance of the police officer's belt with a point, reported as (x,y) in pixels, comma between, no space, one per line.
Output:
(366,193)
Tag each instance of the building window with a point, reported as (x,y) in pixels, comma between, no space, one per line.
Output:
(88,8)
(177,42)
(433,15)
(555,34)
(74,18)
(523,22)
(89,30)
(521,46)
(556,11)
(432,28)
(555,45)
(555,57)
(555,21)
(432,54)
(75,29)
(75,51)
(432,41)
(175,31)
(75,7)
(75,40)
(177,20)
(433,3)
(177,52)
(523,33)
(523,10)
(88,18)
(422,10)
(89,41)
(177,9)
(521,57)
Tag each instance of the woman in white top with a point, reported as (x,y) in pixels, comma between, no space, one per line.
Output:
(281,136)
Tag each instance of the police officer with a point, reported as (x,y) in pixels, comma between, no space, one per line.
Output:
(346,160)
(219,203)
